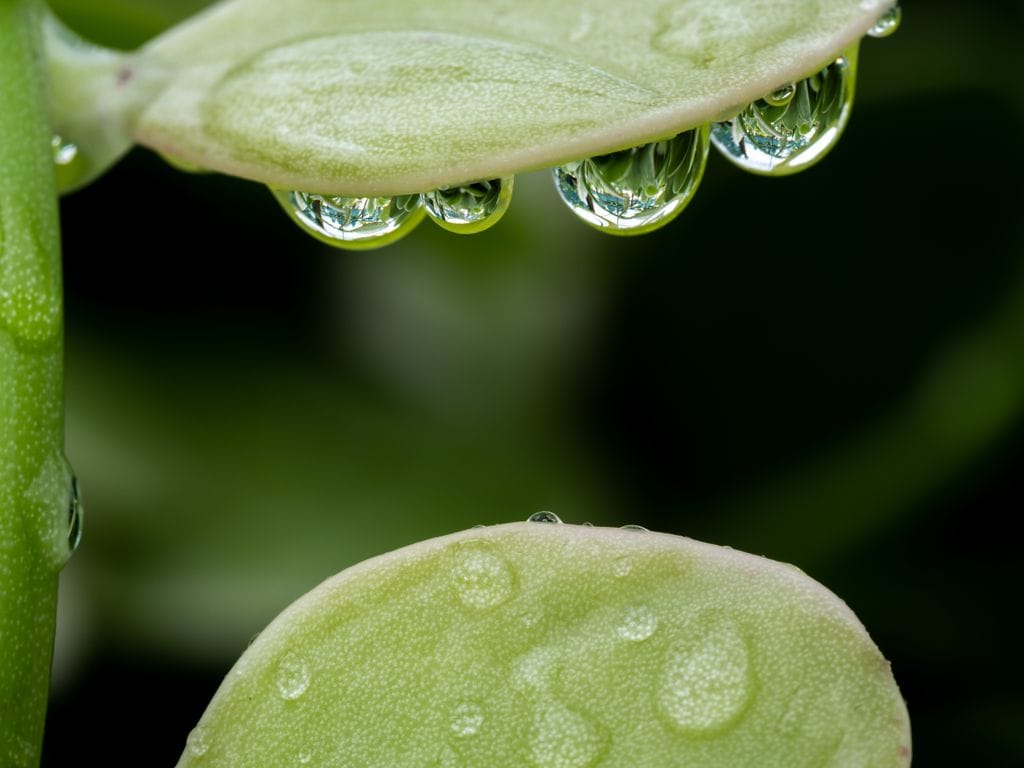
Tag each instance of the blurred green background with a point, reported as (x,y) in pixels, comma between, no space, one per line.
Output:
(826,369)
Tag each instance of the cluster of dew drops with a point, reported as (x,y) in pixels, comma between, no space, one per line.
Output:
(632,191)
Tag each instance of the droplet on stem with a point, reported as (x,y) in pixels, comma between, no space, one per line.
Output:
(544,517)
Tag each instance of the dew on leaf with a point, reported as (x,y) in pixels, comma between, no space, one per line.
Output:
(561,738)
(706,681)
(481,577)
(197,743)
(292,676)
(469,208)
(544,517)
(638,623)
(466,720)
(635,190)
(775,139)
(353,222)
(888,24)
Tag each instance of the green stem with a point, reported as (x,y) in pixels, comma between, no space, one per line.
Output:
(34,479)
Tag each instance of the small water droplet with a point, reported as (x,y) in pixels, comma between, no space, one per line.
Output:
(75,515)
(561,738)
(623,566)
(706,682)
(782,95)
(587,525)
(779,139)
(481,577)
(353,222)
(635,190)
(64,152)
(638,624)
(292,676)
(197,743)
(469,208)
(304,757)
(466,720)
(543,517)
(633,527)
(68,163)
(888,24)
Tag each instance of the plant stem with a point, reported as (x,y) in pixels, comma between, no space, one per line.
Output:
(34,478)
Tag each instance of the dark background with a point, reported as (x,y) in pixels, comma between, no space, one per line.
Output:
(826,369)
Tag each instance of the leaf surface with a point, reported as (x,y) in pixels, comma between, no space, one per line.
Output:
(560,646)
(399,97)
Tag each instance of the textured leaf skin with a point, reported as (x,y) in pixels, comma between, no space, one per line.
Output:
(560,646)
(402,96)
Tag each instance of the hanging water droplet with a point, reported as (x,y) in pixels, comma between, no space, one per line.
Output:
(888,24)
(635,190)
(782,95)
(561,738)
(543,517)
(75,514)
(68,163)
(638,624)
(779,139)
(353,222)
(292,676)
(197,743)
(633,527)
(466,720)
(469,208)
(481,577)
(706,682)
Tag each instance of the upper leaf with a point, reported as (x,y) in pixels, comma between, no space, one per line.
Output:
(560,646)
(346,97)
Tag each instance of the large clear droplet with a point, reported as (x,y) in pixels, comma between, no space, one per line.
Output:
(353,222)
(635,190)
(888,24)
(469,208)
(776,139)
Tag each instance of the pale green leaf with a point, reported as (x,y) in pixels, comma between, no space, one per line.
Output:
(560,646)
(402,96)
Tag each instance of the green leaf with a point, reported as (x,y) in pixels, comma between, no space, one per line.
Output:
(403,96)
(560,646)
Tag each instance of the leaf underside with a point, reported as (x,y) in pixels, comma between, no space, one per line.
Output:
(560,646)
(398,97)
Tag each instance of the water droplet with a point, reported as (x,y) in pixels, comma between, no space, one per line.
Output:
(623,566)
(561,738)
(779,139)
(587,525)
(75,514)
(353,222)
(707,682)
(638,624)
(633,527)
(292,676)
(635,190)
(782,95)
(543,517)
(469,208)
(888,24)
(481,577)
(466,720)
(68,163)
(304,757)
(197,743)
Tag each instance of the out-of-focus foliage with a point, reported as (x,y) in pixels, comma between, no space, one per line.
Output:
(825,369)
